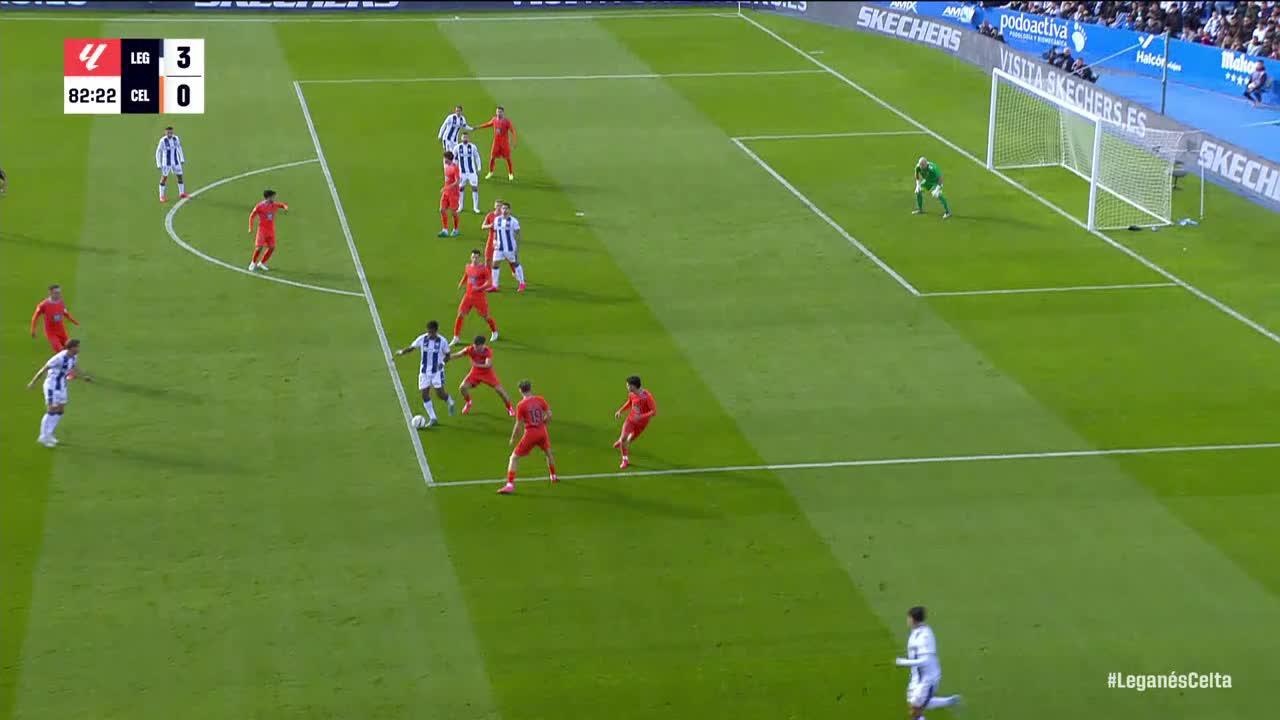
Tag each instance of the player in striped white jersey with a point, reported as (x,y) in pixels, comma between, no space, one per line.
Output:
(926,670)
(467,155)
(453,124)
(506,246)
(169,159)
(57,372)
(435,353)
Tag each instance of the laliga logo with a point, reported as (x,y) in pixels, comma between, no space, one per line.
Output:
(91,53)
(1078,38)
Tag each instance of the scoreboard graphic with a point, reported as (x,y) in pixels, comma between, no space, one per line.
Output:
(110,76)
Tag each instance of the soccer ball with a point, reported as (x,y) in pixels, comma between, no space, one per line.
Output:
(418,422)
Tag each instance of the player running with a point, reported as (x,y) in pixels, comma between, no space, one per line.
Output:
(478,281)
(169,159)
(435,353)
(532,415)
(506,231)
(59,370)
(926,671)
(642,407)
(264,242)
(929,177)
(467,155)
(450,196)
(488,225)
(504,141)
(481,372)
(53,309)
(453,124)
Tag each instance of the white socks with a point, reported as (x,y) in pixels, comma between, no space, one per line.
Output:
(162,191)
(475,198)
(182,188)
(431,410)
(49,423)
(941,702)
(497,273)
(520,274)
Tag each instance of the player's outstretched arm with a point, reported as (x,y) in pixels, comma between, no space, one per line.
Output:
(515,430)
(39,374)
(39,311)
(73,320)
(911,662)
(625,406)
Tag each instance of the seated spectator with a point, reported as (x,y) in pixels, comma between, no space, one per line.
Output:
(1051,56)
(1258,82)
(1064,59)
(1082,71)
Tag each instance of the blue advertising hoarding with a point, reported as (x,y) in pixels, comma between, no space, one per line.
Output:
(1203,66)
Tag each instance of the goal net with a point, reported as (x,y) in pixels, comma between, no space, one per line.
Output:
(1130,174)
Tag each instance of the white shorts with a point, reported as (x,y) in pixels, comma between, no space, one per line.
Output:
(511,256)
(472,179)
(53,396)
(920,693)
(166,169)
(431,380)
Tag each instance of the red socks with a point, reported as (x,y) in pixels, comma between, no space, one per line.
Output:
(493,163)
(493,326)
(551,469)
(444,220)
(511,476)
(256,252)
(457,327)
(455,222)
(267,255)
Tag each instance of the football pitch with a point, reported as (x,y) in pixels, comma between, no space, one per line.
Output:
(1065,444)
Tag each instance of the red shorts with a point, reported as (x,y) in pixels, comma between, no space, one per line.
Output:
(478,302)
(634,428)
(482,376)
(533,438)
(500,150)
(57,339)
(451,201)
(264,239)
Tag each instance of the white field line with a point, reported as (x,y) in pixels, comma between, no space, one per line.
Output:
(1221,306)
(398,18)
(881,462)
(1028,291)
(827,218)
(368,294)
(811,136)
(173,235)
(541,78)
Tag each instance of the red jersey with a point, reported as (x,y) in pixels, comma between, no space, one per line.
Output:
(479,356)
(477,279)
(488,220)
(53,313)
(452,175)
(642,406)
(265,213)
(503,130)
(534,412)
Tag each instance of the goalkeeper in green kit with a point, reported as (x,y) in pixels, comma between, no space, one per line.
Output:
(929,177)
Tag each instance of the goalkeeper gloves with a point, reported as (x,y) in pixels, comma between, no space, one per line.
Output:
(937,190)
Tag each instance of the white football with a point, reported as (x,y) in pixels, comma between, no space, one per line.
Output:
(418,421)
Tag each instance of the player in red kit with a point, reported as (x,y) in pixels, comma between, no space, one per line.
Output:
(488,225)
(481,372)
(640,408)
(264,244)
(532,415)
(504,140)
(53,309)
(450,196)
(478,280)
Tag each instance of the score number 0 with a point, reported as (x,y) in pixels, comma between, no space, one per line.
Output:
(184,76)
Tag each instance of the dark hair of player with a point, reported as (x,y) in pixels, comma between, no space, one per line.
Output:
(502,108)
(916,613)
(476,252)
(479,340)
(525,386)
(634,381)
(458,108)
(268,194)
(73,342)
(448,155)
(54,286)
(506,205)
(433,326)
(168,127)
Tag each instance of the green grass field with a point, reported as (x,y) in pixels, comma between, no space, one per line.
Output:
(237,526)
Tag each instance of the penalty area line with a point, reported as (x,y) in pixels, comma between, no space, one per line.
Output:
(549,78)
(886,462)
(1031,291)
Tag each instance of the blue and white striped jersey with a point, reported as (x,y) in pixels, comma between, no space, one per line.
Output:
(434,351)
(467,155)
(505,229)
(169,152)
(449,129)
(59,366)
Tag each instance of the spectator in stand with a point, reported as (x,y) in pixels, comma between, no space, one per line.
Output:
(1082,71)
(1214,26)
(1257,83)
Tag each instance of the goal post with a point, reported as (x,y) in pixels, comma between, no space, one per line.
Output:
(1130,173)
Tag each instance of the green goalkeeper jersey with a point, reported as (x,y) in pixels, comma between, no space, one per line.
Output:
(929,174)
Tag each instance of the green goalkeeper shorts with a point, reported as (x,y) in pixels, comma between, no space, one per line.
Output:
(928,185)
